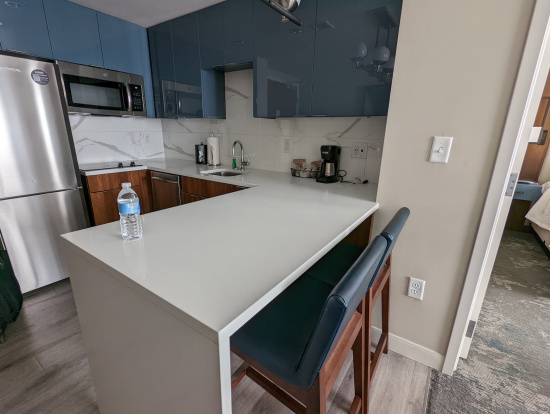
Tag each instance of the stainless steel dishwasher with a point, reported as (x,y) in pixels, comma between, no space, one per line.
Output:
(166,190)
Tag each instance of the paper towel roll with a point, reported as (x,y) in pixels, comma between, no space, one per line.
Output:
(213,152)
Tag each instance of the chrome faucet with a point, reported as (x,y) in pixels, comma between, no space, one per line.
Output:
(243,162)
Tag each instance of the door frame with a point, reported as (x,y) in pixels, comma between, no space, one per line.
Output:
(532,74)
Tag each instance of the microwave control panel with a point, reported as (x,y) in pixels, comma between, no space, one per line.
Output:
(137,98)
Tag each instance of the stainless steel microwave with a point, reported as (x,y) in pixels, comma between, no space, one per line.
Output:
(97,91)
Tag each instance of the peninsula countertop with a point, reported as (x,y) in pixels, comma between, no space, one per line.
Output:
(215,263)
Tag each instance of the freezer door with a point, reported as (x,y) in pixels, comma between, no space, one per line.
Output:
(31,228)
(36,155)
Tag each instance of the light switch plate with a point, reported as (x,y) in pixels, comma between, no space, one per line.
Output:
(441,148)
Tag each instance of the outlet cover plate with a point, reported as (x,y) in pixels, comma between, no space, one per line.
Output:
(359,150)
(416,288)
(286,146)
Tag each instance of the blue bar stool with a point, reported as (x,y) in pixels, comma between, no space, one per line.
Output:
(295,347)
(329,269)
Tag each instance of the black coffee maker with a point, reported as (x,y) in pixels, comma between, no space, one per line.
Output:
(331,161)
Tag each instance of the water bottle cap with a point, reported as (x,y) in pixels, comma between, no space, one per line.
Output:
(126,185)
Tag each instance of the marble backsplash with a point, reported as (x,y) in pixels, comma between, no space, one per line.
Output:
(112,139)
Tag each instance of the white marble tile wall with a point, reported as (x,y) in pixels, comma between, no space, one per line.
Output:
(104,139)
(100,139)
(263,139)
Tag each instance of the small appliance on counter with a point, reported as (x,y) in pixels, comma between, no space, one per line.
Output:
(200,153)
(331,161)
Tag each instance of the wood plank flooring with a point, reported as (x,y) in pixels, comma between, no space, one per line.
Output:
(44,369)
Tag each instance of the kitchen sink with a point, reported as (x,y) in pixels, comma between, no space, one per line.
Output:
(226,173)
(223,173)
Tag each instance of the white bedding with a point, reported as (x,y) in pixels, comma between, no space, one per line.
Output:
(540,212)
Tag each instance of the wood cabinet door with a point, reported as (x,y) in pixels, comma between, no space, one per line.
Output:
(194,186)
(206,188)
(187,198)
(105,206)
(104,182)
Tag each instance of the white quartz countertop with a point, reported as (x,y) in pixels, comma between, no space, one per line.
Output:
(215,263)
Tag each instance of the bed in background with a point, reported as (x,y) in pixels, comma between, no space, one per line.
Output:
(539,215)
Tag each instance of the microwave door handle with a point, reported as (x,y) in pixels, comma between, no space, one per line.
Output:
(129,97)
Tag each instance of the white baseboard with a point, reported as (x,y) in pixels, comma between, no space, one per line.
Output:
(411,350)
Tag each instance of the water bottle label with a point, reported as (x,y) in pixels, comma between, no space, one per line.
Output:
(129,208)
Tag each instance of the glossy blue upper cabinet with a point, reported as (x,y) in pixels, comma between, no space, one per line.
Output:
(162,70)
(125,48)
(74,33)
(238,33)
(187,66)
(283,61)
(354,54)
(212,56)
(23,28)
(211,35)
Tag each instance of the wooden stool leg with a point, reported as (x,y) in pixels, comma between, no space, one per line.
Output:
(367,356)
(359,349)
(386,310)
(359,352)
(316,400)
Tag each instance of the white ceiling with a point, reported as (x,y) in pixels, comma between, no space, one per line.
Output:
(146,13)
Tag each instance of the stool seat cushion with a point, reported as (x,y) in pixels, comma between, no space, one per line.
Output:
(278,336)
(334,265)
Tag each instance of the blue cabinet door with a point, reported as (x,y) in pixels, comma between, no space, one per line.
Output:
(212,56)
(24,28)
(353,70)
(125,48)
(74,33)
(238,36)
(283,62)
(187,66)
(211,36)
(162,69)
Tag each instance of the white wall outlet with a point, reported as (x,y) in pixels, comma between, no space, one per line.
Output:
(359,150)
(441,148)
(286,146)
(416,288)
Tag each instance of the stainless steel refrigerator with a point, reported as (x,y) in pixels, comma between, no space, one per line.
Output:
(40,191)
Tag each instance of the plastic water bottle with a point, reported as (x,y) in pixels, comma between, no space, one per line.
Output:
(128,208)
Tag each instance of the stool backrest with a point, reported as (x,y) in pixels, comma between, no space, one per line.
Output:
(339,307)
(391,232)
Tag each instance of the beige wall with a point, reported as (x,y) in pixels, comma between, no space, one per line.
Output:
(455,71)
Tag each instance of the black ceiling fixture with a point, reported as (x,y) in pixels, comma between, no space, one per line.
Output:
(285,7)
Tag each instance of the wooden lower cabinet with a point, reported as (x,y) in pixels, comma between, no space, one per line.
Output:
(103,189)
(187,198)
(195,189)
